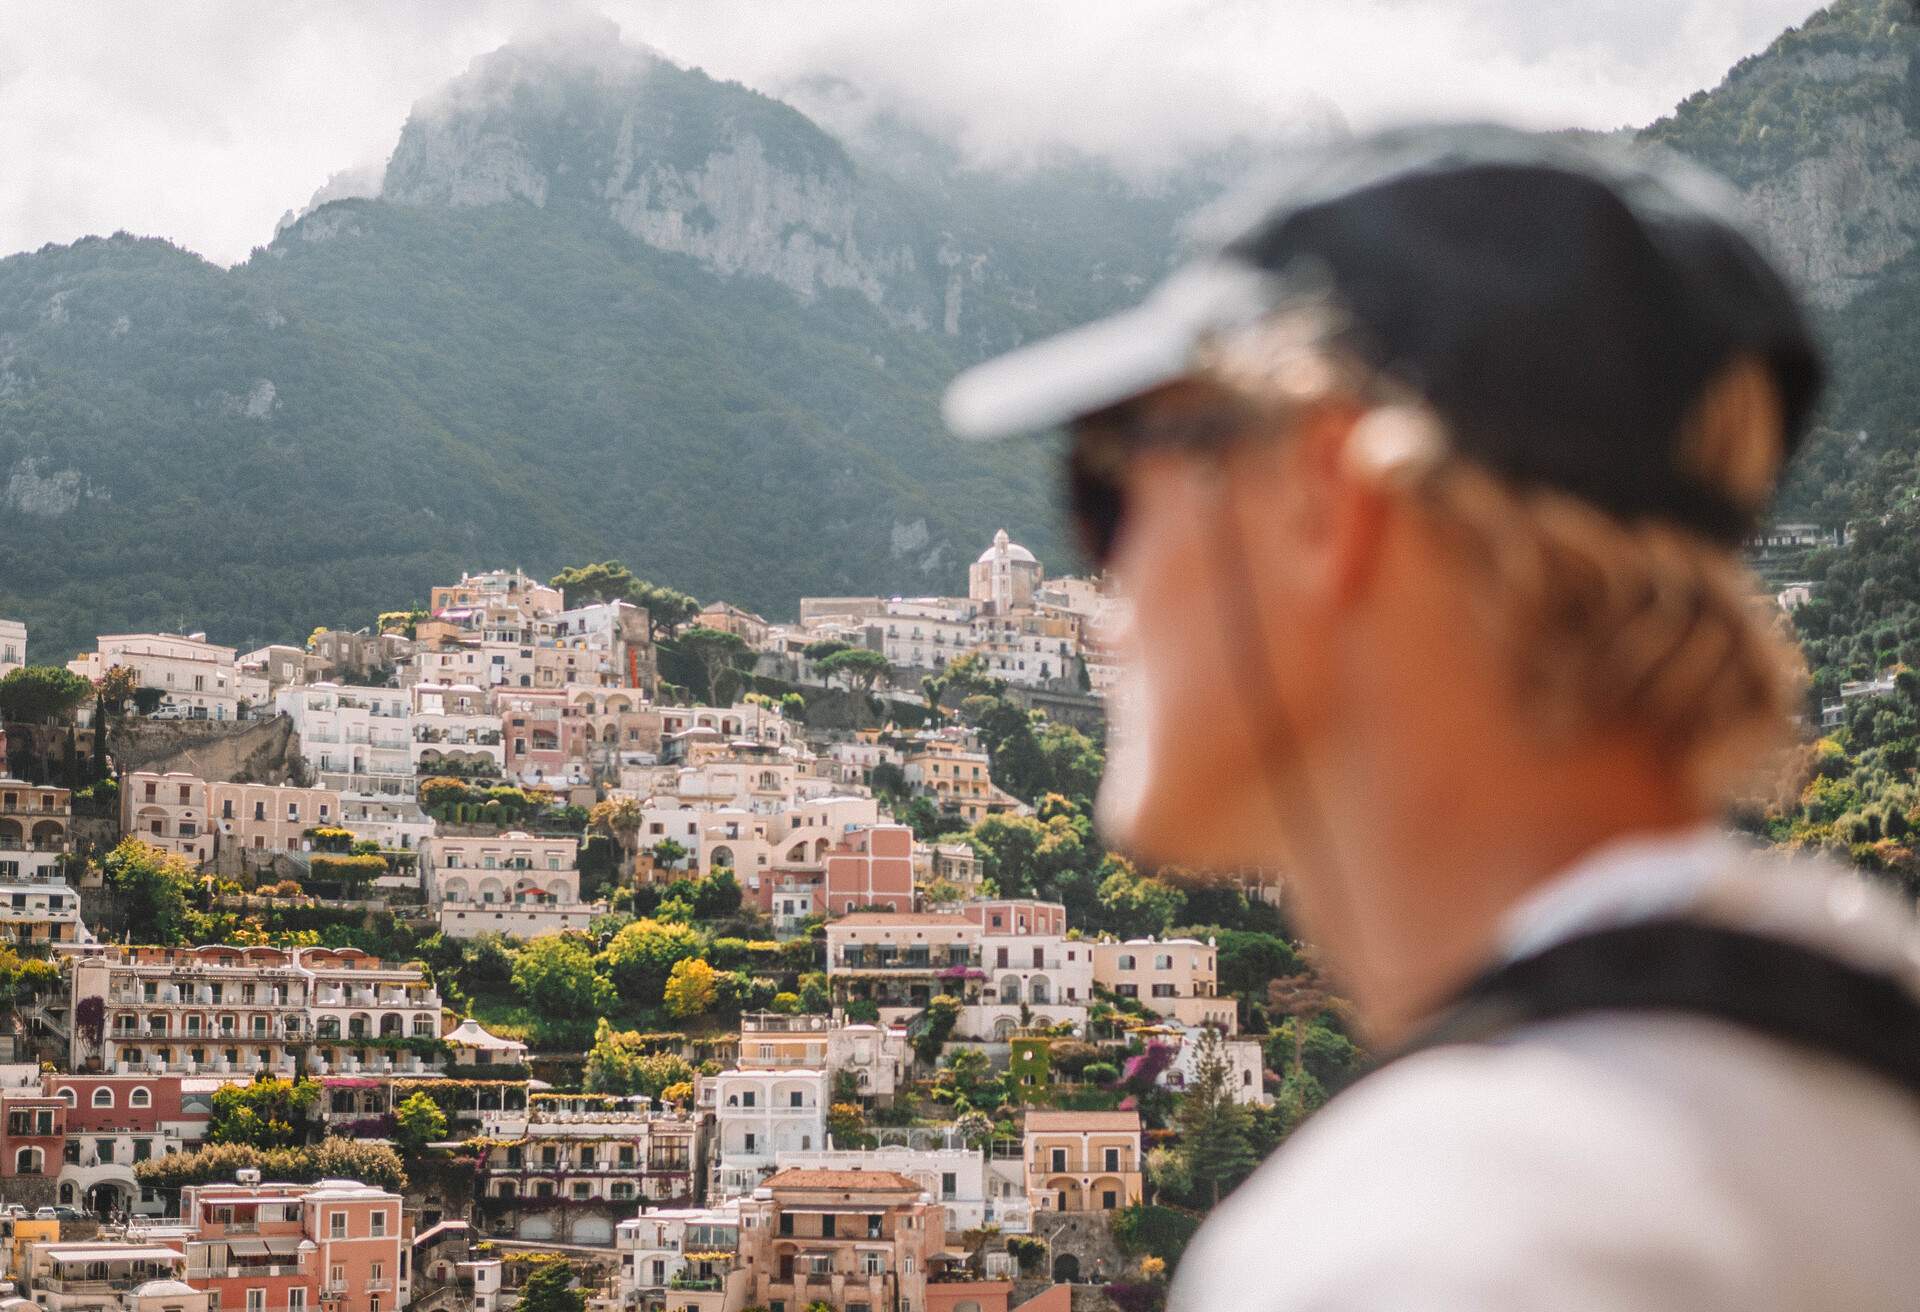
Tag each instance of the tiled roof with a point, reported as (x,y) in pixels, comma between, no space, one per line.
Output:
(796,1177)
(1083,1121)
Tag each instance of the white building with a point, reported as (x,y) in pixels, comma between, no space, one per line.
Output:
(455,730)
(654,1250)
(925,633)
(514,883)
(759,1114)
(954,1176)
(196,676)
(1246,1064)
(13,646)
(1005,577)
(357,740)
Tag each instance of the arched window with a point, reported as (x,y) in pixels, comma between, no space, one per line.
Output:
(103,1097)
(67,1095)
(27,1161)
(140,1098)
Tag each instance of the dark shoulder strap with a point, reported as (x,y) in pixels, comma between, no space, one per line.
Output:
(1770,986)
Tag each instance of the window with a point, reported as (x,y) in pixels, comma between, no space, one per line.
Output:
(1109,1199)
(378,1220)
(786,1223)
(796,1099)
(256,1300)
(103,1097)
(1125,962)
(871,1264)
(1113,1159)
(1059,1159)
(337,1225)
(103,1150)
(873,1225)
(826,1225)
(67,1096)
(1163,990)
(140,1098)
(1163,961)
(296,1300)
(949,1184)
(337,1276)
(27,1161)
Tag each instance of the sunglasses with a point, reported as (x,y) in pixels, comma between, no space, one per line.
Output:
(1106,442)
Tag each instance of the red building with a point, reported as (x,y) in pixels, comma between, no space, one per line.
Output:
(871,868)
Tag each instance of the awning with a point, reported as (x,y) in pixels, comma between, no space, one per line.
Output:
(247,1247)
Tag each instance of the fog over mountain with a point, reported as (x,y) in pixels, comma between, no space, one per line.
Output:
(604,304)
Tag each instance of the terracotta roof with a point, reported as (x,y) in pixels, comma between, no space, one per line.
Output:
(1083,1121)
(796,1177)
(901,918)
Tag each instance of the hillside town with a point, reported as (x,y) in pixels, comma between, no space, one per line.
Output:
(575,934)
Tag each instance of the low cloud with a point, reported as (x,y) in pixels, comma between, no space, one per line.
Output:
(206,122)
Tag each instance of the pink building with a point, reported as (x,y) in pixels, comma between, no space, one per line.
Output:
(337,1245)
(1015,917)
(872,867)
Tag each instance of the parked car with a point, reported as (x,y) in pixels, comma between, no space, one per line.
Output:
(15,1210)
(67,1214)
(46,1214)
(168,711)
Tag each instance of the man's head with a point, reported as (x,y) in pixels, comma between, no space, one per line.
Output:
(1433,480)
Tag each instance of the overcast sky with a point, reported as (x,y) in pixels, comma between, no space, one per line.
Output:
(205,121)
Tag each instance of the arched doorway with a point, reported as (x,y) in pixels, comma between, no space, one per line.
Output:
(1066,1269)
(106,1198)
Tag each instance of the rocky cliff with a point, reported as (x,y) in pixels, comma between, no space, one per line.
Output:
(1819,132)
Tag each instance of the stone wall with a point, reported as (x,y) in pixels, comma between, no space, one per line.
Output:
(219,751)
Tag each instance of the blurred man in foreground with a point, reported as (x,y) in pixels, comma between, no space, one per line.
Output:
(1429,491)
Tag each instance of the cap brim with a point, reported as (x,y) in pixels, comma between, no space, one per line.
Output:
(1061,378)
(1110,360)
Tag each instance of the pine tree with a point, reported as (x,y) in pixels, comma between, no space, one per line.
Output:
(1216,1133)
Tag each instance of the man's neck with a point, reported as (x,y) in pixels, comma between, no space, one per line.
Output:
(1412,903)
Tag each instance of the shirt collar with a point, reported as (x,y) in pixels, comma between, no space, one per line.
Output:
(1626,880)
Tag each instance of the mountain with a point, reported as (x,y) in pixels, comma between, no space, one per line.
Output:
(603,305)
(1820,133)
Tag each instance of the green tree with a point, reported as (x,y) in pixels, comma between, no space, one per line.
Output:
(151,888)
(555,976)
(857,667)
(1009,851)
(1216,1132)
(793,708)
(607,580)
(41,694)
(1135,905)
(934,1026)
(825,647)
(667,853)
(692,988)
(418,1122)
(550,1289)
(641,957)
(622,1062)
(667,608)
(269,1113)
(116,687)
(719,655)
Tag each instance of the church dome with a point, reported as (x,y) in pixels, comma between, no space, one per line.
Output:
(1011,550)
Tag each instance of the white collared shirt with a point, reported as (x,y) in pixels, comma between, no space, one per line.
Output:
(1606,1161)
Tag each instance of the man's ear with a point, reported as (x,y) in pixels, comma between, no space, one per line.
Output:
(1344,508)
